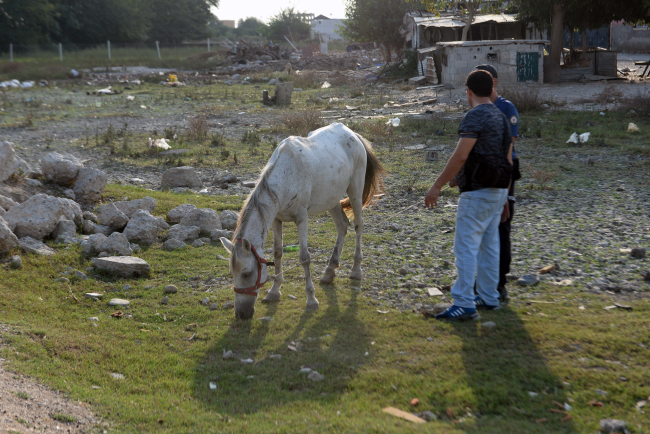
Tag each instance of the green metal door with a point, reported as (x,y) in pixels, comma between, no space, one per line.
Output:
(527,67)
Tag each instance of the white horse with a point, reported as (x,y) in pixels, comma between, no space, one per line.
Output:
(305,176)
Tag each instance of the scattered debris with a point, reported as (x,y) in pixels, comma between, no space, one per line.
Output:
(403,415)
(632,128)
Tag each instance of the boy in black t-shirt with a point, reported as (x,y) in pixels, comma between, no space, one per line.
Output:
(483,131)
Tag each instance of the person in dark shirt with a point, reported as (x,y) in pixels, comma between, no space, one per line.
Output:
(483,131)
(508,109)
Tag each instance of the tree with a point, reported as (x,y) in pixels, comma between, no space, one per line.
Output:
(178,20)
(580,14)
(250,27)
(27,21)
(289,22)
(376,21)
(469,9)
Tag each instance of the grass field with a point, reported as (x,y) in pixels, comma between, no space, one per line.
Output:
(551,345)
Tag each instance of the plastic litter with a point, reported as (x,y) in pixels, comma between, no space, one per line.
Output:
(74,73)
(130,97)
(584,137)
(27,84)
(106,91)
(159,143)
(393,122)
(575,138)
(173,78)
(326,85)
(632,128)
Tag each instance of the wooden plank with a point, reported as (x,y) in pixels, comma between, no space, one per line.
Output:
(403,415)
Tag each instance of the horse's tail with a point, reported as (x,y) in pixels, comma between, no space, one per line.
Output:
(374,180)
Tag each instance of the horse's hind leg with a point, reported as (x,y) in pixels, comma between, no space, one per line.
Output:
(341,221)
(274,294)
(357,209)
(305,260)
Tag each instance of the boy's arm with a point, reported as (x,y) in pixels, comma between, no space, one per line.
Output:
(453,166)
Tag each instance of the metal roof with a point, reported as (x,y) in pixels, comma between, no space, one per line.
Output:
(457,22)
(492,42)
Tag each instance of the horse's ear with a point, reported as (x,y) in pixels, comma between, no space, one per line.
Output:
(246,244)
(226,244)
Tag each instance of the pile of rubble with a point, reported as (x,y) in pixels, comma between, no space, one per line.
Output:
(114,228)
(243,52)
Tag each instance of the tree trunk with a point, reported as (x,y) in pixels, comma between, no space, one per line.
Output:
(584,45)
(557,32)
(471,10)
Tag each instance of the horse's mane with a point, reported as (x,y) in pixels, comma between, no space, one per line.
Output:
(253,203)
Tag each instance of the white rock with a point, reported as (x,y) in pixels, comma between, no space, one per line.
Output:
(173,244)
(205,218)
(90,184)
(59,168)
(30,245)
(184,233)
(92,228)
(8,161)
(119,302)
(65,232)
(488,325)
(130,207)
(16,261)
(70,194)
(72,210)
(109,215)
(227,354)
(315,376)
(229,219)
(216,235)
(142,228)
(116,243)
(38,216)
(180,177)
(123,266)
(90,246)
(8,240)
(7,203)
(177,214)
(198,243)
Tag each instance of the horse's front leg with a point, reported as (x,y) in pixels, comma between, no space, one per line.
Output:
(357,209)
(305,260)
(341,222)
(274,294)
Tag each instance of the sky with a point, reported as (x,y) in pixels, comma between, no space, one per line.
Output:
(264,9)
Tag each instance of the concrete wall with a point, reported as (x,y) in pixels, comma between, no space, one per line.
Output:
(461,60)
(327,27)
(627,39)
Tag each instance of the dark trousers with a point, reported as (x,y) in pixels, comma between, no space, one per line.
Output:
(504,237)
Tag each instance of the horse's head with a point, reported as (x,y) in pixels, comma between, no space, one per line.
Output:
(249,273)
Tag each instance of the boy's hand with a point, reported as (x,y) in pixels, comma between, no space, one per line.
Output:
(505,215)
(431,199)
(453,182)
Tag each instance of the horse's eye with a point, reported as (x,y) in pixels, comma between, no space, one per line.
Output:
(247,275)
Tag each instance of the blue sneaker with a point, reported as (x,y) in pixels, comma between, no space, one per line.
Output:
(456,313)
(481,304)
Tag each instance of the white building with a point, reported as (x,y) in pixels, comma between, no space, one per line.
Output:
(326,27)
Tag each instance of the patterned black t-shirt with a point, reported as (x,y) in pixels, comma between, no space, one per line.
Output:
(485,123)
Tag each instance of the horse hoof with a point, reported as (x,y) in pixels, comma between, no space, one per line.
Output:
(313,306)
(271,298)
(326,279)
(355,275)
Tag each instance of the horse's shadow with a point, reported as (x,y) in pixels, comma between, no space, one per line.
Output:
(331,341)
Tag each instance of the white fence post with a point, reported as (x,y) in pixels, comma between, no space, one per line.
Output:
(208,45)
(109,50)
(11,52)
(61,51)
(158,48)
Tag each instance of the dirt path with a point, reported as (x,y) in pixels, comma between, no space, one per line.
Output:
(26,406)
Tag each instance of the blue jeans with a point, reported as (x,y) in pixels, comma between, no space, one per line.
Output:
(476,246)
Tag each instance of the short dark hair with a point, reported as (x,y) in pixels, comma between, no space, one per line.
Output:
(489,68)
(480,82)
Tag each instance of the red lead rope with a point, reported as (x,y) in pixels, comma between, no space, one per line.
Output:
(251,290)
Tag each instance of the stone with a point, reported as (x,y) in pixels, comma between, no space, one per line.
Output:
(315,376)
(228,305)
(177,214)
(93,295)
(249,184)
(30,245)
(171,289)
(80,275)
(135,247)
(214,306)
(126,266)
(72,210)
(646,275)
(528,280)
(60,169)
(33,182)
(130,207)
(612,426)
(90,246)
(205,301)
(162,224)
(216,235)
(65,232)
(142,228)
(70,194)
(8,239)
(403,271)
(38,216)
(184,233)
(229,219)
(119,302)
(116,243)
(109,215)
(87,215)
(90,228)
(180,177)
(9,162)
(62,280)
(164,300)
(89,185)
(7,203)
(273,82)
(230,178)
(16,262)
(488,325)
(103,255)
(2,211)
(638,253)
(198,243)
(434,292)
(173,244)
(428,416)
(205,218)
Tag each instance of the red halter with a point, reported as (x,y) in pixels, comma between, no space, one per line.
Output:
(251,290)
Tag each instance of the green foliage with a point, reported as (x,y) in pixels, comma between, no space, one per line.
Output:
(27,21)
(288,22)
(178,20)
